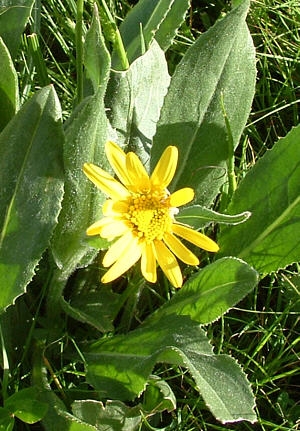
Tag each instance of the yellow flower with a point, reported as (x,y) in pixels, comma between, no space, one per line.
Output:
(139,215)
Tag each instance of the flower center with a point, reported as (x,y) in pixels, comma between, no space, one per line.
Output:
(150,215)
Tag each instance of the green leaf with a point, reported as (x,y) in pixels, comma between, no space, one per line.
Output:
(134,99)
(9,93)
(96,55)
(13,19)
(271,191)
(199,217)
(6,420)
(212,291)
(86,133)
(218,67)
(114,415)
(120,367)
(26,406)
(31,184)
(158,396)
(150,20)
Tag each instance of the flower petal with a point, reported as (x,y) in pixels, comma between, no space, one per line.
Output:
(148,263)
(137,173)
(130,256)
(105,181)
(180,250)
(181,197)
(114,229)
(116,250)
(96,228)
(165,168)
(195,237)
(168,263)
(117,160)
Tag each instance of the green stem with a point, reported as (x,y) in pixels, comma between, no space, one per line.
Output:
(118,43)
(53,304)
(79,50)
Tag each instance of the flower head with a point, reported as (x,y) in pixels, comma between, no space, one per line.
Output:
(139,214)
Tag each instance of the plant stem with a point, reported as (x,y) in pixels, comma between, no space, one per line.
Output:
(79,50)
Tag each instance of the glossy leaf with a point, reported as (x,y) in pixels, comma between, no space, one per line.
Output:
(13,19)
(212,291)
(149,20)
(219,68)
(86,133)
(9,93)
(134,99)
(119,367)
(271,191)
(31,184)
(96,56)
(199,217)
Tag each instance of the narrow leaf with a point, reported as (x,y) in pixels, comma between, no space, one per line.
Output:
(156,20)
(86,133)
(96,56)
(31,184)
(271,191)
(218,67)
(9,93)
(212,291)
(199,217)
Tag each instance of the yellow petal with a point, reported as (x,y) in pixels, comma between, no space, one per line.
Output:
(96,228)
(197,238)
(117,160)
(105,181)
(181,197)
(168,263)
(130,256)
(148,263)
(116,250)
(114,229)
(137,173)
(180,250)
(165,168)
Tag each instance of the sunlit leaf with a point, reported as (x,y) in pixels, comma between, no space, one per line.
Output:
(31,184)
(9,93)
(269,240)
(120,366)
(218,68)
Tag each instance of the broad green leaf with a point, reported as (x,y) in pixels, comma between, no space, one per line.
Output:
(114,415)
(218,68)
(26,406)
(9,93)
(13,18)
(134,99)
(86,133)
(119,367)
(96,55)
(269,240)
(150,20)
(212,291)
(31,184)
(199,217)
